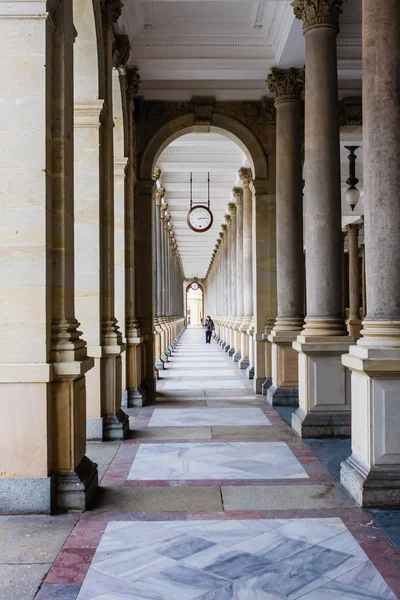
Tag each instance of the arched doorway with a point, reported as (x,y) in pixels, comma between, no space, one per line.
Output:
(194,305)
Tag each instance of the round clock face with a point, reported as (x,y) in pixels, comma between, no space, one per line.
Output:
(200,219)
(195,286)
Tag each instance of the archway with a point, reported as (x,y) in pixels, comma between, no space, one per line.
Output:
(194,304)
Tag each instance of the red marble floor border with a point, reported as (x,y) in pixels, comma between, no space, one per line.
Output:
(75,557)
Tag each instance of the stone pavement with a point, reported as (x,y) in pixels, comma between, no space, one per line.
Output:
(213,498)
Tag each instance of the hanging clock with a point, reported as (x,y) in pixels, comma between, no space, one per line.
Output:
(199,217)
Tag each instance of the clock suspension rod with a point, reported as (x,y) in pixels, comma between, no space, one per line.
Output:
(208,185)
(191,191)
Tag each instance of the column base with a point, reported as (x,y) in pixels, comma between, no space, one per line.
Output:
(26,495)
(75,491)
(250,372)
(116,428)
(266,385)
(94,430)
(227,348)
(164,357)
(378,487)
(258,383)
(280,396)
(315,425)
(159,365)
(136,398)
(243,363)
(231,352)
(236,357)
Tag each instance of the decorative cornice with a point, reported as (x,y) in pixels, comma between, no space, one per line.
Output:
(245,175)
(314,13)
(160,193)
(121,53)
(286,84)
(111,11)
(132,82)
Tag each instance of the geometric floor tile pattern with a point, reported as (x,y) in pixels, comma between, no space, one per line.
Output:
(265,559)
(224,460)
(208,417)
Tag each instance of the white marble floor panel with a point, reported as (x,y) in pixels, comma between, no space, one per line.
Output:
(198,372)
(311,559)
(208,417)
(223,460)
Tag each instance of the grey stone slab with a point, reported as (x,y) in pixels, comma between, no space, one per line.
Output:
(21,582)
(266,434)
(25,495)
(61,591)
(285,497)
(34,539)
(94,429)
(173,433)
(102,453)
(159,499)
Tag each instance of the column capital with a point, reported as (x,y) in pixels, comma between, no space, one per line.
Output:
(238,195)
(315,13)
(228,221)
(245,175)
(121,53)
(132,82)
(156,173)
(353,228)
(160,193)
(111,11)
(164,207)
(286,84)
(232,208)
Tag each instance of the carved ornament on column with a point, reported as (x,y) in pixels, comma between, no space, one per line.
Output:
(228,221)
(111,11)
(224,227)
(318,12)
(286,84)
(232,208)
(160,193)
(121,53)
(132,82)
(245,175)
(353,228)
(156,173)
(238,195)
(164,207)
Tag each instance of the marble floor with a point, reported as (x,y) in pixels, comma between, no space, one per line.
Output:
(213,497)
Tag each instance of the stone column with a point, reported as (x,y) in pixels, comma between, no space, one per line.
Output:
(43,361)
(224,283)
(246,177)
(233,315)
(287,85)
(160,193)
(115,421)
(228,270)
(324,397)
(163,303)
(372,473)
(354,322)
(143,210)
(134,334)
(238,195)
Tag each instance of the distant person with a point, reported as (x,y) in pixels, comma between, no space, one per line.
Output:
(209,328)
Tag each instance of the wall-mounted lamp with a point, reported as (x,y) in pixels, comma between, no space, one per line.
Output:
(352,193)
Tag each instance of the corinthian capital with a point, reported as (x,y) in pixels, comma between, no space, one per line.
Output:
(111,11)
(318,12)
(232,208)
(245,175)
(238,195)
(160,193)
(286,84)
(121,52)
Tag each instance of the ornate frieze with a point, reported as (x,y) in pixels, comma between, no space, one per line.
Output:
(245,175)
(286,84)
(318,12)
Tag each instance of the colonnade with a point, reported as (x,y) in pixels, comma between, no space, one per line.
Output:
(341,386)
(78,332)
(169,321)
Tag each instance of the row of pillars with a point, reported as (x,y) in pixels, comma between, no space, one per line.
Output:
(341,387)
(169,321)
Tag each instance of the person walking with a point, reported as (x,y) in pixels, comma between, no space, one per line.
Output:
(209,328)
